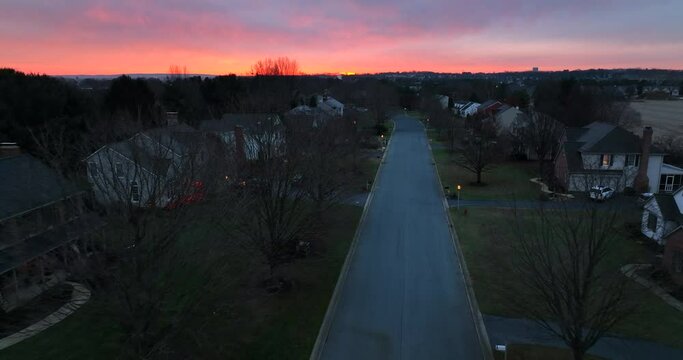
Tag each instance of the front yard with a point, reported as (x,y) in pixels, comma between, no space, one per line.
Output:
(485,241)
(237,320)
(509,180)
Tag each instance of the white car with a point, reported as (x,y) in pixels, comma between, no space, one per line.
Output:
(601,193)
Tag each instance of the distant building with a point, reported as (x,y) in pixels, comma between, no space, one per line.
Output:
(535,69)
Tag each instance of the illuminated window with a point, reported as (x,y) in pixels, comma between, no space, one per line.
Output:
(606,160)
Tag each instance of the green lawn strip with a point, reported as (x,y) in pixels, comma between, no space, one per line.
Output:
(507,181)
(534,352)
(89,332)
(485,245)
(292,327)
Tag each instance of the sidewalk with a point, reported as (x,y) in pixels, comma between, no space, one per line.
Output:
(79,296)
(504,331)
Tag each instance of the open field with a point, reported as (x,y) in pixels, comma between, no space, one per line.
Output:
(485,242)
(665,116)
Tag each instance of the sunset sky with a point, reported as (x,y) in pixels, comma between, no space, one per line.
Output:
(217,37)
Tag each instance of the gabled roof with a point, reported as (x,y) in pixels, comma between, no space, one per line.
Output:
(604,138)
(27,183)
(668,207)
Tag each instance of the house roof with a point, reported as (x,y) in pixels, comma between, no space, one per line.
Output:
(604,138)
(148,159)
(668,207)
(27,183)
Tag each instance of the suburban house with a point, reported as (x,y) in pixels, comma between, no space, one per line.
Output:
(605,154)
(151,168)
(330,104)
(489,107)
(443,101)
(44,226)
(250,135)
(469,109)
(506,116)
(315,115)
(662,222)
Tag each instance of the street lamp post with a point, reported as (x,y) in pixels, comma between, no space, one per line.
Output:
(459,187)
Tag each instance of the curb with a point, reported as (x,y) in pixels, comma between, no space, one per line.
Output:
(332,306)
(486,350)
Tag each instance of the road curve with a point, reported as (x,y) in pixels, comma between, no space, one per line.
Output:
(404,295)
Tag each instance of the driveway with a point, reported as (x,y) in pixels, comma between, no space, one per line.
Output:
(520,331)
(404,295)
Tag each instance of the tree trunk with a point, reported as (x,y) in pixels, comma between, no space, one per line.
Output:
(479,177)
(578,354)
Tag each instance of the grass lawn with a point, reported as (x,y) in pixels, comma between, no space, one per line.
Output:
(239,320)
(533,352)
(507,181)
(482,238)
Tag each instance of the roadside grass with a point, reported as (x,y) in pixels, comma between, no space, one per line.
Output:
(509,180)
(534,352)
(483,236)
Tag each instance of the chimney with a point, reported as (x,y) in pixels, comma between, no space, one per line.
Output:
(9,149)
(171,118)
(240,151)
(641,183)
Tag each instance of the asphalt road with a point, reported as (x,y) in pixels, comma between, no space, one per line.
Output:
(404,294)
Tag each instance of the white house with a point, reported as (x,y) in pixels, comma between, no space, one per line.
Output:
(605,154)
(469,109)
(148,168)
(662,215)
(506,116)
(331,105)
(443,101)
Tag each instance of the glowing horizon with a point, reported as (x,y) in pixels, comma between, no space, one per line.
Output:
(357,36)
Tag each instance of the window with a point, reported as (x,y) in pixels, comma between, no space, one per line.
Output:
(92,167)
(633,160)
(677,262)
(135,192)
(606,160)
(118,169)
(652,222)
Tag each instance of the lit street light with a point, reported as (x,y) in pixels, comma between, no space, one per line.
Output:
(459,187)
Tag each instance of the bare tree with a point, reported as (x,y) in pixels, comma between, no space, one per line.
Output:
(539,134)
(326,150)
(480,149)
(151,189)
(281,66)
(277,215)
(560,260)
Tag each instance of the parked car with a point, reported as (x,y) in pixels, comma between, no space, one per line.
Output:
(600,193)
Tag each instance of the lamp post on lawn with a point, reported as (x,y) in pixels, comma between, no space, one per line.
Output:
(459,187)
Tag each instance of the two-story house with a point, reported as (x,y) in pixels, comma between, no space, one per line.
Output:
(605,154)
(152,168)
(44,226)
